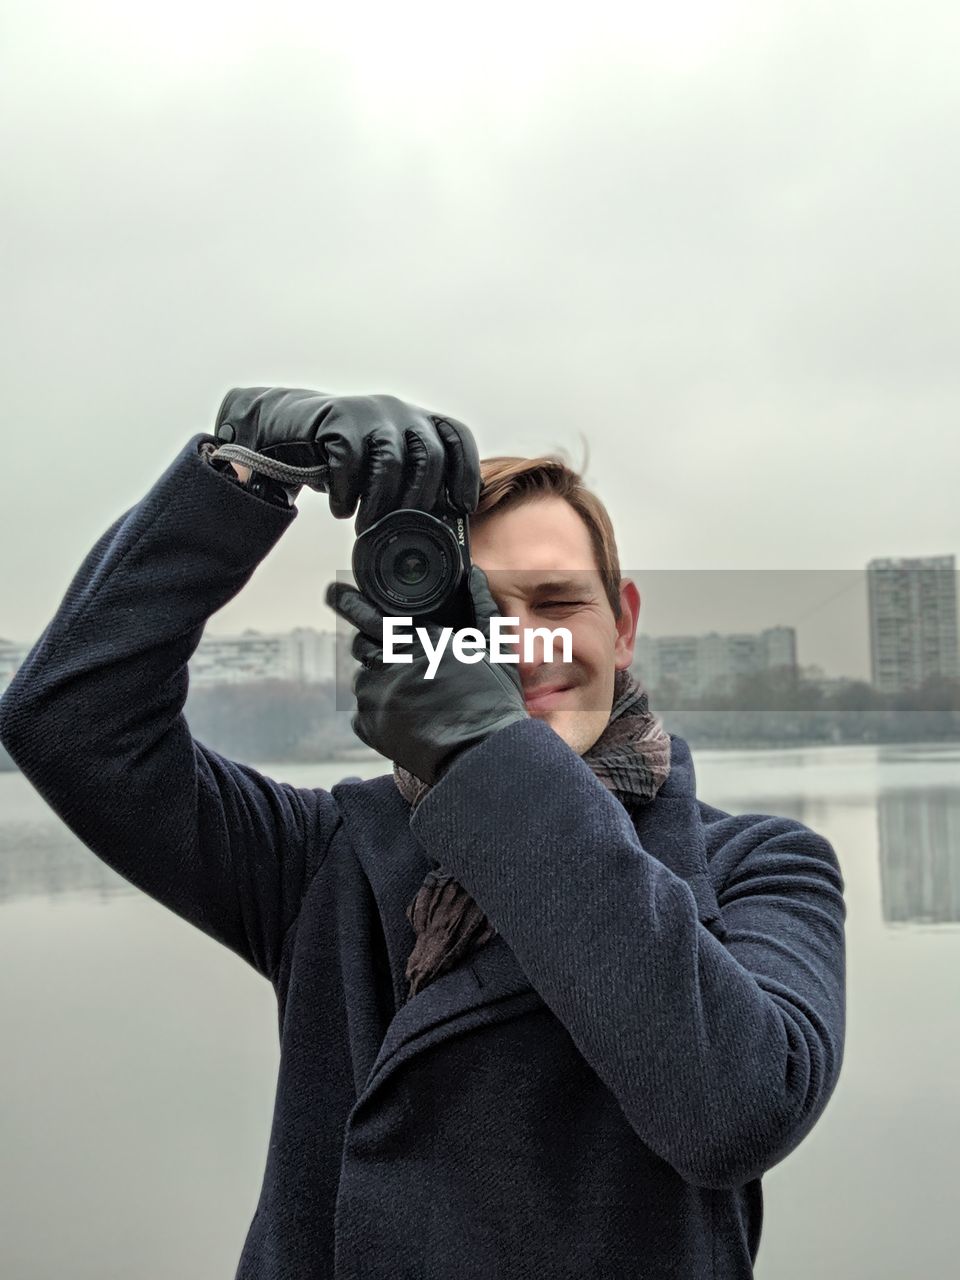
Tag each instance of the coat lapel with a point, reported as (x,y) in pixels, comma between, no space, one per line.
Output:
(489,985)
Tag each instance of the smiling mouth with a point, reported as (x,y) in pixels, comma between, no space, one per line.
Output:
(540,698)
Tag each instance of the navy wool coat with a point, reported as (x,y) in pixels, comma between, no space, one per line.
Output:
(595,1092)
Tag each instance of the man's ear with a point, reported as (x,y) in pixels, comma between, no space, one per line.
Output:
(627,623)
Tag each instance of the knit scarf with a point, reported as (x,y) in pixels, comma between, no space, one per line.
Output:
(631,758)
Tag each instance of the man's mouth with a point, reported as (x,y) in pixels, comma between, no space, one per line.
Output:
(544,698)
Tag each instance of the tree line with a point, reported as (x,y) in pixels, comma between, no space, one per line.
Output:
(284,720)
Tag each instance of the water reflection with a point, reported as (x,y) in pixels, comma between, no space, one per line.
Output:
(45,859)
(914,790)
(918,820)
(919,847)
(140,1040)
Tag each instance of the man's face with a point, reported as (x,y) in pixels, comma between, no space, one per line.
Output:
(540,563)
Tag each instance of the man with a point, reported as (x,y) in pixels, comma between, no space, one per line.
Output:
(543,1012)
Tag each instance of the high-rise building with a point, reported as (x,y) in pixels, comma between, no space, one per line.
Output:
(913,621)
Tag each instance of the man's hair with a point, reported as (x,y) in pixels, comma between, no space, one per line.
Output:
(506,482)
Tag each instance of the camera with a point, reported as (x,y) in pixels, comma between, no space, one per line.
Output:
(415,564)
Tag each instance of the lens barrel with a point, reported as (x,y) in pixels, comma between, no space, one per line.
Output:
(408,563)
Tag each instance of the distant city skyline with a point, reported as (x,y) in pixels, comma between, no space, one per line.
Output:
(828,608)
(835,627)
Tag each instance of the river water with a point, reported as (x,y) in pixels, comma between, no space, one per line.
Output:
(138,1057)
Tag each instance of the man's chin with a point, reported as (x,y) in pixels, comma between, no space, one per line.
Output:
(570,724)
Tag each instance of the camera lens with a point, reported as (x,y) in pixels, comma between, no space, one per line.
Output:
(410,567)
(409,562)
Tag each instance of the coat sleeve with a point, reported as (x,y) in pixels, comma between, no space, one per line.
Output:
(94,718)
(722,1054)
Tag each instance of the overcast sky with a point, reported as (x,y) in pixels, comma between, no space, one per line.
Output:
(716,239)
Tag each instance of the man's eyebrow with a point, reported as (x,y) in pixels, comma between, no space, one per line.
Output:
(574,585)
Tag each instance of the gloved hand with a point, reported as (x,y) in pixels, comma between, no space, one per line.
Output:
(373,449)
(423,724)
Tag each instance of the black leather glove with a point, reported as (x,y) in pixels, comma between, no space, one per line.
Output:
(375,450)
(423,724)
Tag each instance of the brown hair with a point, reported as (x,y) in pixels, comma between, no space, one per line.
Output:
(506,482)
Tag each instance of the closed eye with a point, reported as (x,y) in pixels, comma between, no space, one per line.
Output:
(560,604)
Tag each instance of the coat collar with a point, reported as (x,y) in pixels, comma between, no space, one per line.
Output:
(489,985)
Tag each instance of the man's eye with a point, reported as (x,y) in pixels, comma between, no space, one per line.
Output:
(559,604)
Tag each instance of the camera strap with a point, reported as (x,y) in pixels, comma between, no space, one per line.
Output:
(313,477)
